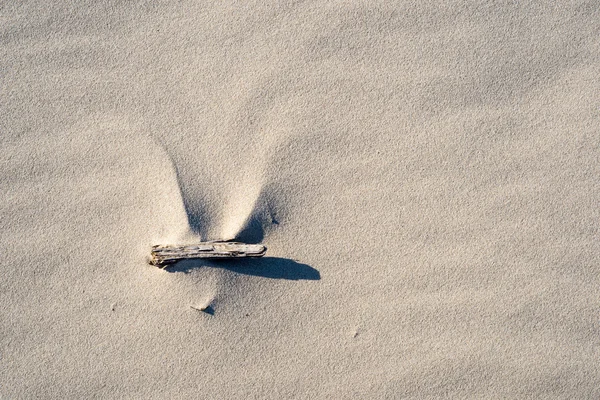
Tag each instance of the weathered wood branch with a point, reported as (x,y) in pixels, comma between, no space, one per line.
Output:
(165,255)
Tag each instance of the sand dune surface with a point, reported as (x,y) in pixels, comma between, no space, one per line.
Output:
(424,175)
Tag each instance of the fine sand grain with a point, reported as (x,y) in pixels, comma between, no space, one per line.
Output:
(425,175)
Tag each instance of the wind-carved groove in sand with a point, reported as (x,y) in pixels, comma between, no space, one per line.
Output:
(246,202)
(246,207)
(241,207)
(246,216)
(238,200)
(187,233)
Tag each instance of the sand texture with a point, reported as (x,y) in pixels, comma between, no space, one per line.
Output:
(425,175)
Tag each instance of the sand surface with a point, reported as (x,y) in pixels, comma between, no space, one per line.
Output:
(425,175)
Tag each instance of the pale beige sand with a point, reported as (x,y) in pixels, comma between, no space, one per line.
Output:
(432,166)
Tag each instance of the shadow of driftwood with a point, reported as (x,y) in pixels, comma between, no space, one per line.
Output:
(267,267)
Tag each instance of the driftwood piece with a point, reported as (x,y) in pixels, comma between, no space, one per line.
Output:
(165,255)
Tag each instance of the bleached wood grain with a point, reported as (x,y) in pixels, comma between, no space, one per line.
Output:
(163,255)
